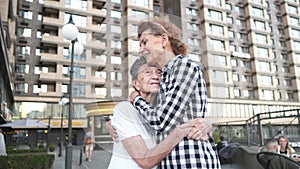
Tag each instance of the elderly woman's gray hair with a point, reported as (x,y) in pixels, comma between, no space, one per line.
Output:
(135,68)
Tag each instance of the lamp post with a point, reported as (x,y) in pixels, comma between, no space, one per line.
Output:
(70,32)
(62,102)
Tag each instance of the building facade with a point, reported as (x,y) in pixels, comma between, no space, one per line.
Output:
(248,49)
(7,36)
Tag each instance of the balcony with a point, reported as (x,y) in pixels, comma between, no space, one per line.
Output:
(96,45)
(97,80)
(51,57)
(52,39)
(54,94)
(53,77)
(51,21)
(54,4)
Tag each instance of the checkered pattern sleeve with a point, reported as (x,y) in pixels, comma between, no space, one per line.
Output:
(176,98)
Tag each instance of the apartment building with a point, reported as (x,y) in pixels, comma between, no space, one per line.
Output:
(7,37)
(249,52)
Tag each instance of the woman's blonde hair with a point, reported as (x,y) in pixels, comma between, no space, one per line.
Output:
(159,26)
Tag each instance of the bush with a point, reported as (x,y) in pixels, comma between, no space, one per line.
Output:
(12,151)
(51,147)
(24,161)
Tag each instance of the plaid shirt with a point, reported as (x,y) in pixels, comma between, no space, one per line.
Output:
(182,96)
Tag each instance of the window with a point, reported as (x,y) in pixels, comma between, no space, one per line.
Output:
(257,1)
(292,9)
(287,82)
(101,91)
(139,14)
(194,57)
(267,95)
(116,60)
(241,23)
(237,92)
(79,72)
(115,14)
(220,60)
(77,4)
(214,2)
(143,3)
(245,64)
(40,17)
(116,44)
(27,15)
(228,6)
(264,66)
(220,76)
(294,21)
(285,69)
(25,32)
(260,25)
(235,77)
(193,26)
(297,57)
(242,36)
(191,11)
(234,62)
(22,87)
(77,19)
(229,20)
(296,45)
(266,80)
(116,76)
(296,32)
(217,44)
(193,42)
(261,38)
(79,90)
(257,12)
(231,34)
(116,1)
(116,29)
(262,52)
(216,29)
(215,15)
(81,37)
(100,74)
(101,58)
(232,48)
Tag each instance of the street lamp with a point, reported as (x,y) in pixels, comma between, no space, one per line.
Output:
(70,32)
(62,102)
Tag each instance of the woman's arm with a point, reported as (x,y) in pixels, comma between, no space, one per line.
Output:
(148,158)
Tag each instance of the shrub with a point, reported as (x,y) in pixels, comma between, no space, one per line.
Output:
(22,161)
(51,147)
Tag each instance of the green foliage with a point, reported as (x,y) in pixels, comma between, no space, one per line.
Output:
(51,147)
(27,161)
(41,146)
(13,151)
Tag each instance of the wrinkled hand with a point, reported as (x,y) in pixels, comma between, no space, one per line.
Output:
(133,95)
(200,131)
(112,131)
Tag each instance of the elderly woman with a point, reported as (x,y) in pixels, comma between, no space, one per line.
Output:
(137,147)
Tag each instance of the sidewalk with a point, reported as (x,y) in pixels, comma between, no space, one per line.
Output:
(100,159)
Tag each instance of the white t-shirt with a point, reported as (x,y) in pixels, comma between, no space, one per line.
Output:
(128,123)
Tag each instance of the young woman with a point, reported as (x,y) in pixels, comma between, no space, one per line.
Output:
(284,146)
(137,147)
(182,95)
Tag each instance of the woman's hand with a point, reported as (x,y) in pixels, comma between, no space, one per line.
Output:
(112,131)
(133,95)
(201,128)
